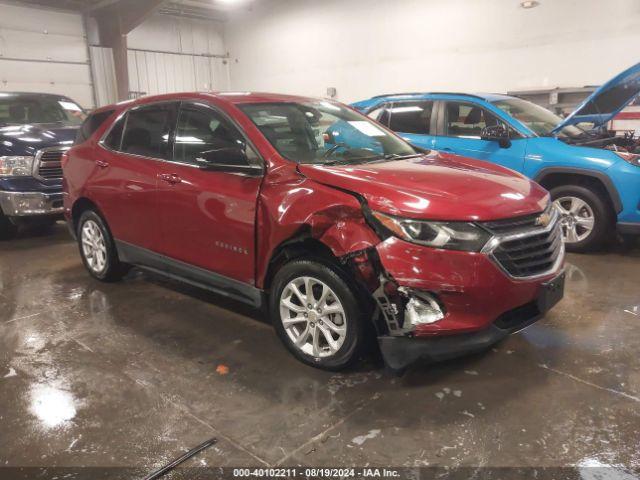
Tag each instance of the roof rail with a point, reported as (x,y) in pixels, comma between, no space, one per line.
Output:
(399,94)
(429,93)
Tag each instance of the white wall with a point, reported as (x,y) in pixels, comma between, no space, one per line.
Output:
(153,73)
(368,47)
(36,38)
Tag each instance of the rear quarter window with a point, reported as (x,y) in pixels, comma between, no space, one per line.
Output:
(91,124)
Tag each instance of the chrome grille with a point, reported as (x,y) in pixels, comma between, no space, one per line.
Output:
(47,165)
(523,249)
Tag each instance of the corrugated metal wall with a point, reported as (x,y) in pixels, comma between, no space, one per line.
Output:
(153,72)
(104,75)
(166,54)
(44,51)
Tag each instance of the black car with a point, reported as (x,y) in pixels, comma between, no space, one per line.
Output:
(35,130)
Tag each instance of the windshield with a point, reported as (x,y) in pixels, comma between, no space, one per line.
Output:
(537,118)
(324,132)
(20,110)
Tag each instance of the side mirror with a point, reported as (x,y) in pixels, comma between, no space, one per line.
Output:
(496,133)
(232,160)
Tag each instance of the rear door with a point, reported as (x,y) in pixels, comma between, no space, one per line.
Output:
(124,184)
(208,217)
(462,124)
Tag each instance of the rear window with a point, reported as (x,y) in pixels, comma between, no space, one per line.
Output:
(114,137)
(410,117)
(91,124)
(146,132)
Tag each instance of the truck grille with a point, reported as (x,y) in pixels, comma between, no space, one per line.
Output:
(48,165)
(523,248)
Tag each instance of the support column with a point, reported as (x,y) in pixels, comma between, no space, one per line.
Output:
(115,19)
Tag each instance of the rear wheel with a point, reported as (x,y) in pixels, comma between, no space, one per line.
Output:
(585,217)
(316,314)
(97,248)
(7,229)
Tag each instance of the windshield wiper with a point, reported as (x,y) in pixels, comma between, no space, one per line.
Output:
(397,156)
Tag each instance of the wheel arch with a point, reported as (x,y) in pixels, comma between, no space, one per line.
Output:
(300,245)
(304,245)
(553,177)
(80,206)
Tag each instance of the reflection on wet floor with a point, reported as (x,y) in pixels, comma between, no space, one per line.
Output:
(129,374)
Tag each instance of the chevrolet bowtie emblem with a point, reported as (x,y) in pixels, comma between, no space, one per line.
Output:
(543,220)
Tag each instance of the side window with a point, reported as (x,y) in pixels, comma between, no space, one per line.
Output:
(146,131)
(91,124)
(468,120)
(202,131)
(114,139)
(411,117)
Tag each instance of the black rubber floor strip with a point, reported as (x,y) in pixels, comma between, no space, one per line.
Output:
(167,468)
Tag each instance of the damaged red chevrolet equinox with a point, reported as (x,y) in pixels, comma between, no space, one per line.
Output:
(338,225)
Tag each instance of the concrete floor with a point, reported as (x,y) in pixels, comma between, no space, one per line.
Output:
(132,374)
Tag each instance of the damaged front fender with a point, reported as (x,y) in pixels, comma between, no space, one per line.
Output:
(289,210)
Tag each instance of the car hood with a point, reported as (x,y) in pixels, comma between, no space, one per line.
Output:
(605,103)
(28,139)
(436,186)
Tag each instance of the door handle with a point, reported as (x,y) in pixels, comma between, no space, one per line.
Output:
(102,163)
(171,178)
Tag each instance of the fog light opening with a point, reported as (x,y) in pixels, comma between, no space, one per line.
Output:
(421,308)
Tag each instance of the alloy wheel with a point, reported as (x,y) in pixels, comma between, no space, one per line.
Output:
(94,246)
(313,317)
(576,218)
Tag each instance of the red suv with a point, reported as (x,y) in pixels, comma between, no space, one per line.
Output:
(337,224)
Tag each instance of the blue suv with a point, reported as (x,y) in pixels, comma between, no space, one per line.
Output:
(593,176)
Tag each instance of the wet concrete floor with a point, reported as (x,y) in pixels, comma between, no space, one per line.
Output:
(134,373)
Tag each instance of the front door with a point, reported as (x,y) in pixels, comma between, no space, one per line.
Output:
(208,217)
(462,131)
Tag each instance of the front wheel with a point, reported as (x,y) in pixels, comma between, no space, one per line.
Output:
(316,314)
(585,217)
(97,248)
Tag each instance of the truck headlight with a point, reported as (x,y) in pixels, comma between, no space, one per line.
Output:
(449,235)
(20,166)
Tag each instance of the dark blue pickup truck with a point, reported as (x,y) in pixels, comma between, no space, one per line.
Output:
(35,130)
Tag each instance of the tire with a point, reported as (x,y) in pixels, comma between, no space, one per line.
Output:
(592,205)
(94,237)
(347,328)
(7,229)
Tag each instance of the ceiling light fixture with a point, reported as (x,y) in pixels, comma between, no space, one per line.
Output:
(529,3)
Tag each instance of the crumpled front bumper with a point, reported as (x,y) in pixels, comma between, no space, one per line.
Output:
(482,304)
(400,352)
(26,204)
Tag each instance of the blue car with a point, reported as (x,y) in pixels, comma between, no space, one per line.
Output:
(592,175)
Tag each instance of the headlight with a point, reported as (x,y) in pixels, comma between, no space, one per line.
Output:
(450,235)
(16,166)
(632,158)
